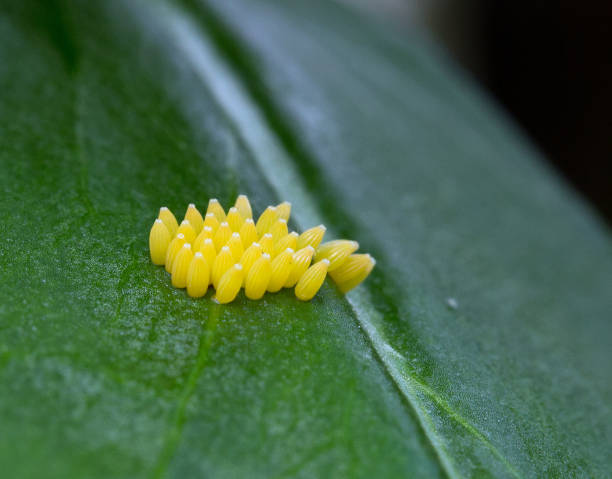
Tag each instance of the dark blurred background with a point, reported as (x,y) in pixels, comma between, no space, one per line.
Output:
(548,62)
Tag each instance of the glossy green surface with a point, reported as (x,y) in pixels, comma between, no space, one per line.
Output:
(112,109)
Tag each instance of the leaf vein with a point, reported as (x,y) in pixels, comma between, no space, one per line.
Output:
(174,432)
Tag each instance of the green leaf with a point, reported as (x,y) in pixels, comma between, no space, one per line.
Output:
(111,109)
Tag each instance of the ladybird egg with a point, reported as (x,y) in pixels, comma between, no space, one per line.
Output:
(301,262)
(336,252)
(234,219)
(279,230)
(244,207)
(248,233)
(215,208)
(251,254)
(267,244)
(287,241)
(284,210)
(258,278)
(211,221)
(198,276)
(235,246)
(187,230)
(159,239)
(311,237)
(222,263)
(230,284)
(281,268)
(180,266)
(222,235)
(208,251)
(173,248)
(206,233)
(266,220)
(311,281)
(194,217)
(353,271)
(169,220)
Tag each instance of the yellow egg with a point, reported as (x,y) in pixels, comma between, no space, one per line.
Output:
(194,217)
(222,263)
(187,230)
(336,252)
(258,278)
(215,208)
(173,248)
(279,230)
(311,237)
(230,284)
(180,266)
(198,276)
(209,251)
(169,220)
(244,207)
(222,235)
(211,220)
(235,246)
(281,268)
(284,210)
(234,219)
(266,220)
(159,239)
(267,244)
(206,233)
(301,262)
(287,241)
(248,233)
(251,254)
(353,271)
(312,280)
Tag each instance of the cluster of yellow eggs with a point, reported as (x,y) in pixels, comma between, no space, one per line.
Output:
(231,251)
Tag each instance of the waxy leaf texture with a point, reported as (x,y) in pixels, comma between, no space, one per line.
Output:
(479,346)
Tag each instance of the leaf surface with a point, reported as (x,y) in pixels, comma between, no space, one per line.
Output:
(112,109)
